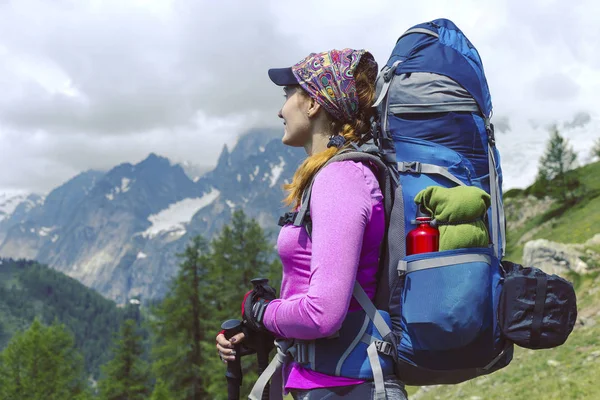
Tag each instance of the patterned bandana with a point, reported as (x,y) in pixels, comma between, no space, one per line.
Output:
(328,77)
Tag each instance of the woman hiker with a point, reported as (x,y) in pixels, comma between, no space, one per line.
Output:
(328,99)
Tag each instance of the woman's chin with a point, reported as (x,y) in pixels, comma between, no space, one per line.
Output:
(292,140)
(288,141)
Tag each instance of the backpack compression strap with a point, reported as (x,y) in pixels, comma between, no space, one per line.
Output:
(498,224)
(498,219)
(384,346)
(432,169)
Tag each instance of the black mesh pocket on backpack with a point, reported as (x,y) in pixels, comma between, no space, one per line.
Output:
(537,310)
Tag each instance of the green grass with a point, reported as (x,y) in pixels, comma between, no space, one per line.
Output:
(578,223)
(567,372)
(589,175)
(565,224)
(570,371)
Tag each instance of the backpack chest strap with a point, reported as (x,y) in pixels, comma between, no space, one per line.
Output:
(287,218)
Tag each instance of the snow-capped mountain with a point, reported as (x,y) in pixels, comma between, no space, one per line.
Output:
(194,171)
(8,203)
(119,231)
(15,208)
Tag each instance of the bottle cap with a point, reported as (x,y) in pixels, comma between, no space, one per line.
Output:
(422,214)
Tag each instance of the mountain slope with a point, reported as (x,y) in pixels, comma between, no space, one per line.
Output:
(252,184)
(566,372)
(572,223)
(8,204)
(29,289)
(37,221)
(119,232)
(571,370)
(15,210)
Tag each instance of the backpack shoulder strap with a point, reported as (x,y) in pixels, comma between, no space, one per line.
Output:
(365,153)
(393,248)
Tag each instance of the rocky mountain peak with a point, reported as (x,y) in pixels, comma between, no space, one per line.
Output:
(119,231)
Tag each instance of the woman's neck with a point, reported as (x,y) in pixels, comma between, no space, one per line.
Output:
(317,144)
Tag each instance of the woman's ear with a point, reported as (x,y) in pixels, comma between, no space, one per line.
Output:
(313,108)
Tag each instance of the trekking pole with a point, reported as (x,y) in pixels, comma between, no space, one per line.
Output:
(264,342)
(263,348)
(234,368)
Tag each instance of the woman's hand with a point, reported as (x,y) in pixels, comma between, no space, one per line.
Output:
(226,347)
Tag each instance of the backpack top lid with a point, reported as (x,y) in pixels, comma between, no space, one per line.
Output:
(440,47)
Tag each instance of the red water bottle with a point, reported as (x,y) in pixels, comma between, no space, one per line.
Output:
(424,238)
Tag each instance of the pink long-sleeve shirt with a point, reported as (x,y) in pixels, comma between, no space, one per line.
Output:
(348,225)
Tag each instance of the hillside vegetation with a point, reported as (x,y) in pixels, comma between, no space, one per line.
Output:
(182,326)
(29,290)
(571,370)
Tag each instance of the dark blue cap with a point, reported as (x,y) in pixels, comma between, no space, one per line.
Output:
(283,76)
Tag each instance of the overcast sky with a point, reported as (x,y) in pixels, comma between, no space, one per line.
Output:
(90,84)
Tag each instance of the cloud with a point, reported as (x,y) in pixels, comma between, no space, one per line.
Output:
(119,68)
(555,86)
(502,124)
(91,84)
(580,119)
(50,159)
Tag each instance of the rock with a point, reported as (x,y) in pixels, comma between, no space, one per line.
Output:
(553,363)
(94,226)
(593,355)
(519,210)
(594,241)
(422,392)
(587,322)
(553,258)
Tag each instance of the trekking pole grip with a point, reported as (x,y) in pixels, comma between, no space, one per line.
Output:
(234,368)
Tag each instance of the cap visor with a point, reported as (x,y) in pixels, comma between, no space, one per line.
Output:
(283,76)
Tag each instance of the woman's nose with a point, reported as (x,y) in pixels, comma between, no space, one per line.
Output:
(279,114)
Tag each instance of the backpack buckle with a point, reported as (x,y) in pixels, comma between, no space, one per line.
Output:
(412,166)
(389,72)
(384,347)
(489,128)
(302,350)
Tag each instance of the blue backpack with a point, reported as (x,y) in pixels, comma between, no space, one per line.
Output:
(434,319)
(435,109)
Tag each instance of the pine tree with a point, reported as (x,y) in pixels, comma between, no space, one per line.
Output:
(557,160)
(178,329)
(161,391)
(208,290)
(595,152)
(126,375)
(42,363)
(240,253)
